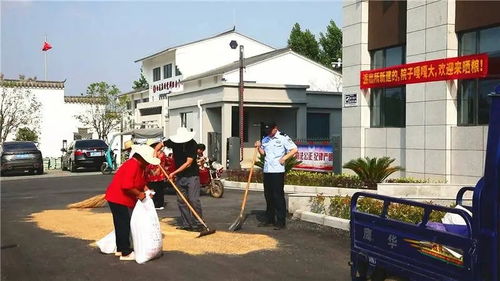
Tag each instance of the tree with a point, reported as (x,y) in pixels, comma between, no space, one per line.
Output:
(142,83)
(331,44)
(26,134)
(18,106)
(304,43)
(105,108)
(372,170)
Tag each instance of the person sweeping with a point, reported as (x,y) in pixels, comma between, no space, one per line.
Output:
(128,185)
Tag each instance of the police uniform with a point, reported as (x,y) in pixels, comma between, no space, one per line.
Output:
(275,147)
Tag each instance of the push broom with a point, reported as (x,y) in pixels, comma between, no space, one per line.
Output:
(207,231)
(241,218)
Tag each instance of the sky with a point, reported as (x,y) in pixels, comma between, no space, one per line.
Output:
(99,41)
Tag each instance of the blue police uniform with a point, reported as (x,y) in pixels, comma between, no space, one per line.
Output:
(275,147)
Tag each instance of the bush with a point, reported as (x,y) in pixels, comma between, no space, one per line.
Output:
(372,170)
(413,180)
(302,178)
(339,206)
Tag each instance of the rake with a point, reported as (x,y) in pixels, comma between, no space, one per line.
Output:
(207,230)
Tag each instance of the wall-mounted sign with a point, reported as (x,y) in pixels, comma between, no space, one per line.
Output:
(466,67)
(315,157)
(167,86)
(350,100)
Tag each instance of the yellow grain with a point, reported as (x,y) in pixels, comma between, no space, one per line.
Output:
(86,225)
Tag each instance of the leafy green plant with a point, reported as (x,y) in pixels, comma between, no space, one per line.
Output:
(372,170)
(318,204)
(289,163)
(302,178)
(339,206)
(413,180)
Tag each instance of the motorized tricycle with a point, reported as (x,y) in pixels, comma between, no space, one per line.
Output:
(382,246)
(110,164)
(210,179)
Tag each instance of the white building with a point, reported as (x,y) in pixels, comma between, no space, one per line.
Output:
(57,121)
(437,129)
(195,85)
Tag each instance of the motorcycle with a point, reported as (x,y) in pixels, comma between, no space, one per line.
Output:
(110,164)
(210,179)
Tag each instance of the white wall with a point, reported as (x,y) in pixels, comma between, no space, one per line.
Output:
(290,68)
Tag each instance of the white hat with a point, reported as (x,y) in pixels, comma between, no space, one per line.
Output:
(153,141)
(146,152)
(182,136)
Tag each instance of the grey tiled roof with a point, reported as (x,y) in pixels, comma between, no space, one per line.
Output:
(236,64)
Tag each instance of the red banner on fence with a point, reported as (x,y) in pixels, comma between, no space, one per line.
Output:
(466,67)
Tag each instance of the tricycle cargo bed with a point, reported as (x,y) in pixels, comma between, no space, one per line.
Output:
(416,251)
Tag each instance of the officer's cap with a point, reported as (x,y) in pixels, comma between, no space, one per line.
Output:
(268,127)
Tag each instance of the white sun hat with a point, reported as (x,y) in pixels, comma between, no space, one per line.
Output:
(146,152)
(182,136)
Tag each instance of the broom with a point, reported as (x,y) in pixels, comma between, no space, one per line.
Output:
(97,201)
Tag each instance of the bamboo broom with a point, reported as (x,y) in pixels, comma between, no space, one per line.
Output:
(97,201)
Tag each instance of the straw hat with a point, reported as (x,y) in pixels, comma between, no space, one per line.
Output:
(146,152)
(128,145)
(182,136)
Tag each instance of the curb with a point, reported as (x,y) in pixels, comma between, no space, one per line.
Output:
(321,219)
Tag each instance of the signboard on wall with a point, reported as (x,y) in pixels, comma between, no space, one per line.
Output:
(350,100)
(465,67)
(315,157)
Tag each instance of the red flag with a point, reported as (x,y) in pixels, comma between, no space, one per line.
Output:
(46,46)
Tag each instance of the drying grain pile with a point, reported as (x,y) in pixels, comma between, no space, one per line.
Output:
(84,224)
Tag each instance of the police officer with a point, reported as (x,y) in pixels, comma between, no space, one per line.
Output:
(277,148)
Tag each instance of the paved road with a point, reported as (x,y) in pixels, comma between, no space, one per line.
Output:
(305,251)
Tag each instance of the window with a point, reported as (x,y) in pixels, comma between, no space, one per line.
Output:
(129,105)
(177,71)
(184,119)
(145,99)
(156,74)
(318,125)
(473,100)
(136,102)
(235,123)
(388,105)
(150,111)
(167,71)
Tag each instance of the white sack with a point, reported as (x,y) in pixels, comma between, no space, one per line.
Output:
(146,233)
(107,244)
(451,218)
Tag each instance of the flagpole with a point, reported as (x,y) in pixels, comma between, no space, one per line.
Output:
(45,60)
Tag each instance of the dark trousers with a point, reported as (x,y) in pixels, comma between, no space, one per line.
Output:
(190,187)
(121,220)
(159,188)
(274,184)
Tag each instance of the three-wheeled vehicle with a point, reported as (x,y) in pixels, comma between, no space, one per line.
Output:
(111,154)
(381,246)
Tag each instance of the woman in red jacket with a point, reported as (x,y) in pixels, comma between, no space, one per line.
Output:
(127,186)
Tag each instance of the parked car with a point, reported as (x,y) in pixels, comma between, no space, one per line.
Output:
(84,153)
(21,156)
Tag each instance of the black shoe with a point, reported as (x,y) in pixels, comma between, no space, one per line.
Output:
(187,228)
(265,224)
(279,226)
(198,228)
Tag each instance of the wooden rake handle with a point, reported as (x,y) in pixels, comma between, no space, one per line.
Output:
(248,182)
(179,192)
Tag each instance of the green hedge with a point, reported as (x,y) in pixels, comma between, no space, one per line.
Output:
(301,178)
(338,206)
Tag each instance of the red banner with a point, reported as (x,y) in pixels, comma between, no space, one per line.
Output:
(466,67)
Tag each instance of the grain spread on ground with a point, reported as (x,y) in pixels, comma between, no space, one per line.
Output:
(87,225)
